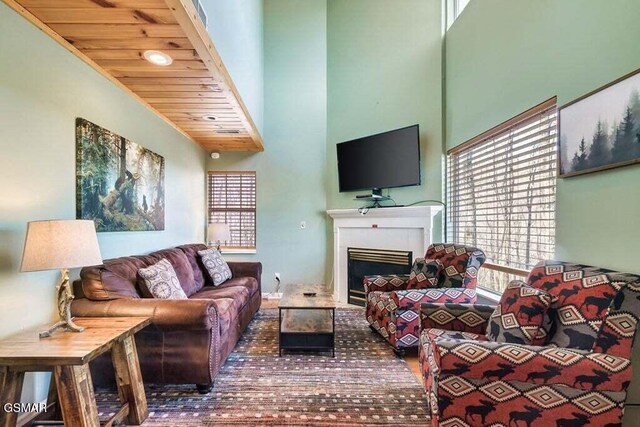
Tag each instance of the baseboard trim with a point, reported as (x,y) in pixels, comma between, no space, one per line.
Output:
(271,295)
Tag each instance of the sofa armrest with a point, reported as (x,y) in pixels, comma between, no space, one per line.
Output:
(472,318)
(578,369)
(166,315)
(385,283)
(247,269)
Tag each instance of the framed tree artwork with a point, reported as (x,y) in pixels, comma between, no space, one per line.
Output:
(119,184)
(601,130)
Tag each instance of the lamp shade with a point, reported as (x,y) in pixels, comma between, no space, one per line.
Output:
(218,231)
(58,244)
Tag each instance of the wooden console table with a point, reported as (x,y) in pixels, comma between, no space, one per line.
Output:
(67,355)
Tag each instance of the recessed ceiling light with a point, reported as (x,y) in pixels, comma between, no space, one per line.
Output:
(208,117)
(157,58)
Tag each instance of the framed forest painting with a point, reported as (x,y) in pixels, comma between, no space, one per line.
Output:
(119,184)
(601,130)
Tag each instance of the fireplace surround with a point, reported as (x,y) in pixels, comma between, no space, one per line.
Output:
(402,228)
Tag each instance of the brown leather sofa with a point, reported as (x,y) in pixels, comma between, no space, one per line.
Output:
(188,340)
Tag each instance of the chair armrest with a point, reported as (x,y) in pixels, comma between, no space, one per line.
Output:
(578,369)
(246,269)
(167,315)
(472,318)
(385,283)
(412,299)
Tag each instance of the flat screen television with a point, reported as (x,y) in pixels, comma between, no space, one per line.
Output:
(386,160)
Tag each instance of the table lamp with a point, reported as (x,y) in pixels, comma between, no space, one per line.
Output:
(61,244)
(218,232)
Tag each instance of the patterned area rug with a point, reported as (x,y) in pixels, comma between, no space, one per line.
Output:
(364,385)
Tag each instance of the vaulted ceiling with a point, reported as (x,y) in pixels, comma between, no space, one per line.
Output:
(195,93)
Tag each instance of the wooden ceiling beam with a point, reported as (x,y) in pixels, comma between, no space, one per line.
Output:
(187,16)
(137,54)
(151,73)
(144,65)
(94,4)
(112,35)
(146,43)
(56,15)
(117,31)
(174,88)
(58,38)
(168,80)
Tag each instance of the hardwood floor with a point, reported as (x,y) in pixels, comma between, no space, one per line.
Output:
(411,357)
(414,365)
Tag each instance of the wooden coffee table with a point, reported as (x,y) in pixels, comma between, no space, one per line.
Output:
(307,322)
(68,354)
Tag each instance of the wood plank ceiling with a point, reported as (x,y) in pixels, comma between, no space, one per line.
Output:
(195,93)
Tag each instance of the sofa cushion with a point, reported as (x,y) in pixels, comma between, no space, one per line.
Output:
(424,274)
(116,278)
(161,281)
(521,316)
(246,282)
(582,294)
(241,291)
(180,264)
(216,266)
(191,252)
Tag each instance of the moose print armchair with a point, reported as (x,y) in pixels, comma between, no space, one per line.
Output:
(447,273)
(555,351)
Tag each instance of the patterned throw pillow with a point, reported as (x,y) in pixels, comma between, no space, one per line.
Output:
(161,281)
(216,266)
(424,274)
(583,297)
(521,316)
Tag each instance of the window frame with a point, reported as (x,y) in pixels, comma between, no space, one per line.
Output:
(210,210)
(487,137)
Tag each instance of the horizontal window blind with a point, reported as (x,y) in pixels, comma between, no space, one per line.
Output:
(502,191)
(232,200)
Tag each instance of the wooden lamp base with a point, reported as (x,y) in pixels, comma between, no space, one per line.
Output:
(65,296)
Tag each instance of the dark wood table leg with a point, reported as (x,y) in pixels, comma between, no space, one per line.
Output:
(279,332)
(76,396)
(129,379)
(10,391)
(333,331)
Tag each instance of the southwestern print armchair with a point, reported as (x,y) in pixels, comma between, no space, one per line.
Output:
(447,273)
(555,351)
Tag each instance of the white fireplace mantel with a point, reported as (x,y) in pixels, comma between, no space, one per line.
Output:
(402,228)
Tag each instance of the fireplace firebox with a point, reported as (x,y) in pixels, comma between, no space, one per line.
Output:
(365,262)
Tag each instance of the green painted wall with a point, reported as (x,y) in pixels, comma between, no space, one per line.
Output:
(291,171)
(43,88)
(505,56)
(384,72)
(237,28)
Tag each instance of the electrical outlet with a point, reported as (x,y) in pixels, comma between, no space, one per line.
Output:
(278,276)
(303,224)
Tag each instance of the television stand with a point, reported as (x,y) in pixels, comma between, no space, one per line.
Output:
(375,198)
(376,194)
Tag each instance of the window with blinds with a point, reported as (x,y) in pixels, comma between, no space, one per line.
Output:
(232,200)
(502,192)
